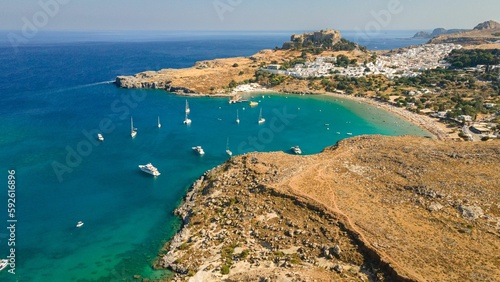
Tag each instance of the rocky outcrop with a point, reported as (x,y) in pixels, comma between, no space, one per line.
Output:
(139,82)
(325,38)
(487,25)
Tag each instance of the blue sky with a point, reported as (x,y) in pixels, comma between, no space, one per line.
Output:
(245,14)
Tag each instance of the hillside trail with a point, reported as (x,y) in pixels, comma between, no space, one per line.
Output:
(315,184)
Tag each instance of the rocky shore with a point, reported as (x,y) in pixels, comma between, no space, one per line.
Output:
(368,209)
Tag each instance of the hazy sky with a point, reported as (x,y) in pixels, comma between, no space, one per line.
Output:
(245,14)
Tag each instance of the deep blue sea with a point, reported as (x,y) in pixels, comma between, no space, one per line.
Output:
(56,95)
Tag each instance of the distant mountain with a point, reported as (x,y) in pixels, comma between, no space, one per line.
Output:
(484,33)
(487,25)
(437,32)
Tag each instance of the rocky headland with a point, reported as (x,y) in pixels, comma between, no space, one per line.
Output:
(437,32)
(484,33)
(215,77)
(370,208)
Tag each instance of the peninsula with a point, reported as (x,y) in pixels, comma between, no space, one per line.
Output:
(367,209)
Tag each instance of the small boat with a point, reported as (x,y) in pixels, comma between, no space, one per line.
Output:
(149,168)
(237,117)
(349,133)
(253,103)
(79,224)
(159,124)
(133,130)
(261,119)
(187,120)
(100,137)
(198,150)
(296,150)
(187,108)
(3,264)
(227,148)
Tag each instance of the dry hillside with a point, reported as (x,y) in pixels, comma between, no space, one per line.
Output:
(368,209)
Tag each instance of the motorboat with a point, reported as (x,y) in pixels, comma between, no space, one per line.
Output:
(149,168)
(296,150)
(198,150)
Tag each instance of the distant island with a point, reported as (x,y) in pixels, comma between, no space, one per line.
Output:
(484,33)
(437,32)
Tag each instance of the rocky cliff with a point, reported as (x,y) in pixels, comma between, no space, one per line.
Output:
(370,208)
(325,39)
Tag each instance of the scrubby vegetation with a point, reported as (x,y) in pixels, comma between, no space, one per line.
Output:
(460,58)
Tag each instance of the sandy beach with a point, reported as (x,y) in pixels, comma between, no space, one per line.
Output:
(437,129)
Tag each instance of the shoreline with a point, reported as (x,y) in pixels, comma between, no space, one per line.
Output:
(435,128)
(422,121)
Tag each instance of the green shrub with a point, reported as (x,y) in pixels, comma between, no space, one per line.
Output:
(224,269)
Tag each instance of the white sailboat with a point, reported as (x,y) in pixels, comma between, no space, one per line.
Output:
(159,124)
(261,119)
(187,108)
(133,130)
(187,120)
(227,148)
(237,117)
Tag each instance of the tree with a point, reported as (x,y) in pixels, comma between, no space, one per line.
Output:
(233,84)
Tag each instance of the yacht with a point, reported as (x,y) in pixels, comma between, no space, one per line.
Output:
(261,119)
(149,168)
(159,124)
(79,224)
(100,137)
(253,103)
(133,130)
(237,117)
(296,150)
(187,108)
(198,150)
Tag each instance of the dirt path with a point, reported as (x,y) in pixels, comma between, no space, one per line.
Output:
(314,184)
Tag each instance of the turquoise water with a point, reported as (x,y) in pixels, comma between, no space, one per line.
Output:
(51,114)
(127,213)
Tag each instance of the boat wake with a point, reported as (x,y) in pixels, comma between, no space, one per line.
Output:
(86,85)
